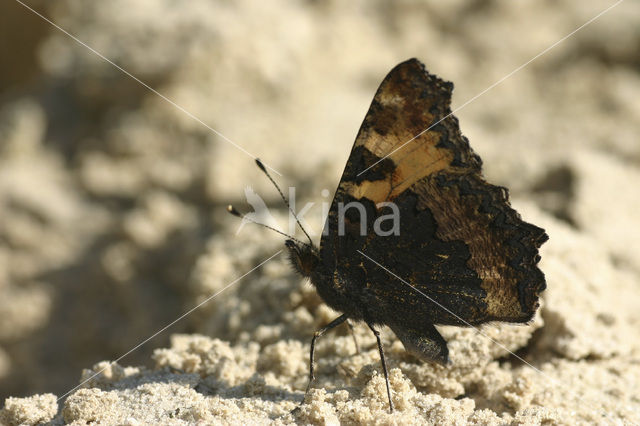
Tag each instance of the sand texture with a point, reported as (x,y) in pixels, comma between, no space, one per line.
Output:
(113,221)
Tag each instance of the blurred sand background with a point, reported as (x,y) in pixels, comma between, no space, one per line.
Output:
(113,222)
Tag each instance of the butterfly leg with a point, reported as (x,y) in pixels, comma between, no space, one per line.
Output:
(384,365)
(333,324)
(353,334)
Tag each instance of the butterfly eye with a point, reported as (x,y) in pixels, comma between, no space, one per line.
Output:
(302,257)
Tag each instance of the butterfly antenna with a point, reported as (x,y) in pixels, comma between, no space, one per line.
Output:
(264,170)
(236,213)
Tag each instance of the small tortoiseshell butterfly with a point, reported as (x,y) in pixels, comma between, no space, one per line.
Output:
(467,255)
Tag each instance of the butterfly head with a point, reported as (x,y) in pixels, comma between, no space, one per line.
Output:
(303,257)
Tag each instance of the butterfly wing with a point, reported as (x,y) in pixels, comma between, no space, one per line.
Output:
(461,255)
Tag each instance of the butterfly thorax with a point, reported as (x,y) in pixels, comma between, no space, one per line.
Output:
(330,286)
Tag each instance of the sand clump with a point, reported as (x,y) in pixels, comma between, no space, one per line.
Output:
(113,219)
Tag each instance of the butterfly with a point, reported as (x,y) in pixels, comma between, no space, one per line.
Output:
(454,252)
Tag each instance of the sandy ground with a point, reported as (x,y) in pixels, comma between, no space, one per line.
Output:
(112,220)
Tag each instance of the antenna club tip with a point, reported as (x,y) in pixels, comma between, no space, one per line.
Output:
(233,211)
(259,163)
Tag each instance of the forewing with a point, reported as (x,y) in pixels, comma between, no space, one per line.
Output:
(465,253)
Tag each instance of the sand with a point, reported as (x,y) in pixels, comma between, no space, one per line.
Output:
(113,219)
